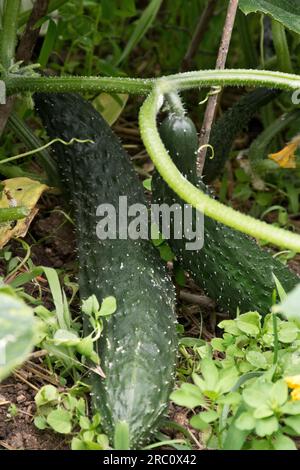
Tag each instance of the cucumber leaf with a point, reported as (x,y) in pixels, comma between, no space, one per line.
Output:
(285,11)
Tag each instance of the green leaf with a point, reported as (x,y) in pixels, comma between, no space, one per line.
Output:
(121,436)
(266,426)
(261,444)
(90,305)
(232,398)
(288,332)
(191,342)
(227,379)
(282,442)
(141,27)
(103,441)
(188,395)
(279,392)
(53,281)
(210,373)
(257,359)
(245,421)
(77,444)
(60,421)
(86,347)
(108,306)
(235,437)
(147,183)
(48,44)
(230,326)
(209,416)
(294,423)
(47,394)
(286,12)
(257,394)
(249,323)
(66,338)
(290,305)
(84,422)
(291,408)
(198,423)
(263,411)
(218,344)
(18,332)
(40,422)
(281,292)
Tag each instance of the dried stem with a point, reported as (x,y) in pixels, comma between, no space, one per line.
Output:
(198,35)
(213,99)
(31,33)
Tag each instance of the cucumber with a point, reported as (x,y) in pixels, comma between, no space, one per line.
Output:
(138,345)
(231,268)
(225,130)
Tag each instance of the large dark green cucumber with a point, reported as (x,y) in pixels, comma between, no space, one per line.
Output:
(138,346)
(230,267)
(226,129)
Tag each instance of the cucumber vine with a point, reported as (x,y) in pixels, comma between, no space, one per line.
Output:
(22,81)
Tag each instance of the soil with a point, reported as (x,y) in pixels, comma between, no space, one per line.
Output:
(18,432)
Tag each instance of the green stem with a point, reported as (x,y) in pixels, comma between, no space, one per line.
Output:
(9,32)
(276,342)
(189,193)
(249,51)
(24,133)
(175,104)
(281,47)
(78,84)
(180,81)
(262,41)
(44,147)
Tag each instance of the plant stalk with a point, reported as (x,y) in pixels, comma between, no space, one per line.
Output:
(281,47)
(139,86)
(9,32)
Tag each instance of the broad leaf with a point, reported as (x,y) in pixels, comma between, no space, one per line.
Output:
(17,333)
(286,12)
(188,395)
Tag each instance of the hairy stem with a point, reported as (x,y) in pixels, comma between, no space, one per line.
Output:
(180,81)
(189,193)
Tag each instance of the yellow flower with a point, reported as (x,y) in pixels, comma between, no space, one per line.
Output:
(296,394)
(293,381)
(286,158)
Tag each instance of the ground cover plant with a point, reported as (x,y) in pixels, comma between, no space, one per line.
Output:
(117,336)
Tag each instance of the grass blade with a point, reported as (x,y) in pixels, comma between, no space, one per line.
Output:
(142,26)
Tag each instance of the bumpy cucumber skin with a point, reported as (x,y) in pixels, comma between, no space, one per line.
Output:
(225,130)
(138,345)
(231,268)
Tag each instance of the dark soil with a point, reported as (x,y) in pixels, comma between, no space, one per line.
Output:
(19,432)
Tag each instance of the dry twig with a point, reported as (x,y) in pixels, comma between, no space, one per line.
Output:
(199,33)
(213,99)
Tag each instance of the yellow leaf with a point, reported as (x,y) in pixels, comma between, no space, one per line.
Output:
(110,106)
(19,192)
(286,157)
